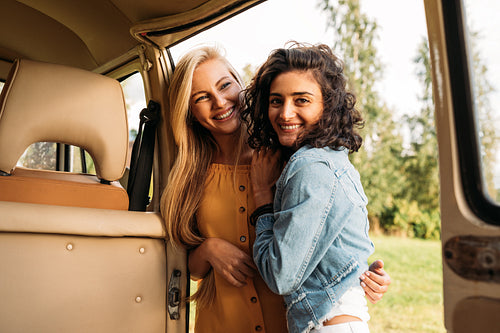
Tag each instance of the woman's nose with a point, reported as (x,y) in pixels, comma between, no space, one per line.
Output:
(287,111)
(219,100)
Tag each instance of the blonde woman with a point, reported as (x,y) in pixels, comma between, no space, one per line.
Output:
(208,200)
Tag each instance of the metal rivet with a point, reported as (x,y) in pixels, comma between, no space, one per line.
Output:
(69,246)
(243,238)
(242,209)
(142,250)
(138,299)
(242,188)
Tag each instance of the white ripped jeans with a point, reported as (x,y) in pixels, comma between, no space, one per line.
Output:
(352,303)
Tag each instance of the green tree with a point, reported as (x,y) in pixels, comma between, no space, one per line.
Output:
(421,161)
(416,212)
(40,155)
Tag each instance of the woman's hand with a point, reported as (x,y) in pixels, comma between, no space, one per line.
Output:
(375,282)
(264,172)
(225,258)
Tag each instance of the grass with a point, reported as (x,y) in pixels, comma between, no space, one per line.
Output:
(414,302)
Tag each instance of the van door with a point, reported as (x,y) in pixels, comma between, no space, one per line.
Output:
(468,145)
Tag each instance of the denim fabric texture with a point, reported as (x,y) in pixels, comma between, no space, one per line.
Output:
(316,244)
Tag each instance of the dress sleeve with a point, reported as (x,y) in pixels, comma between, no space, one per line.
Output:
(292,241)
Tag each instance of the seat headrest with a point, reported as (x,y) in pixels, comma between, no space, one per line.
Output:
(43,102)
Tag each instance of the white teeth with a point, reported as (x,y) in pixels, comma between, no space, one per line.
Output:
(224,115)
(289,127)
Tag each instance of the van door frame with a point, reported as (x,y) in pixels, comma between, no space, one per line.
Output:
(469,219)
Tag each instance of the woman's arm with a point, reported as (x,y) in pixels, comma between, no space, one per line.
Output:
(228,260)
(298,228)
(375,282)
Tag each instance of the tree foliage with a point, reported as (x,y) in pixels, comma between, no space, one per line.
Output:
(418,203)
(40,155)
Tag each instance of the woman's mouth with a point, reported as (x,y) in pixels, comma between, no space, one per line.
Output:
(224,115)
(289,127)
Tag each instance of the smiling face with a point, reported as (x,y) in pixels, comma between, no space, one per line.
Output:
(295,104)
(214,98)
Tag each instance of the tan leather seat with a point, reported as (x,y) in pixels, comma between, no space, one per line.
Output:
(43,102)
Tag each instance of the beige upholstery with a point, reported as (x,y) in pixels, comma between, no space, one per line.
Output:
(67,283)
(44,102)
(62,189)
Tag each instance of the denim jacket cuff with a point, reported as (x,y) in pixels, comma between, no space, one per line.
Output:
(264,222)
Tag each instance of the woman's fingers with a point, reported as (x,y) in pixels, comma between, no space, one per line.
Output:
(237,276)
(231,262)
(375,282)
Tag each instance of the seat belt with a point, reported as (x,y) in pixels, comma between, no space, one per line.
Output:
(141,161)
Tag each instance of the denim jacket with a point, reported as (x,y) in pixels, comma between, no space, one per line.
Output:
(316,244)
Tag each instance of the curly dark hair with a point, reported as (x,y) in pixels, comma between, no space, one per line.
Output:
(339,121)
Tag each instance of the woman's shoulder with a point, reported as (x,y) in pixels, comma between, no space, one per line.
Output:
(311,154)
(322,162)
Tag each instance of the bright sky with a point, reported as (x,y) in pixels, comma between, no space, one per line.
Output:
(248,38)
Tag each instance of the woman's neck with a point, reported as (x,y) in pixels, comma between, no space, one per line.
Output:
(228,150)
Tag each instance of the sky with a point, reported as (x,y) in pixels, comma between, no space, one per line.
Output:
(249,37)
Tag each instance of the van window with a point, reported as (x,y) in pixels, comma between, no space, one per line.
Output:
(135,101)
(40,155)
(484,61)
(43,155)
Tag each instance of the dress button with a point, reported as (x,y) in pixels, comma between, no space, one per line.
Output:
(242,209)
(243,238)
(253,299)
(258,328)
(242,188)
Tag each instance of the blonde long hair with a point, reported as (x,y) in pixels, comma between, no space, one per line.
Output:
(196,149)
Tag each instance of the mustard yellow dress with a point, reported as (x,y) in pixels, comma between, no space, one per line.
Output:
(224,213)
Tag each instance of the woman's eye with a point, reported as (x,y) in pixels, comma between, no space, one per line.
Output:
(301,100)
(201,98)
(275,101)
(225,85)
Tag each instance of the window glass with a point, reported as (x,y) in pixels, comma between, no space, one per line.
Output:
(43,156)
(135,100)
(484,60)
(81,163)
(40,155)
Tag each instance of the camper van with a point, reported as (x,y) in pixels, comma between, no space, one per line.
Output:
(83,166)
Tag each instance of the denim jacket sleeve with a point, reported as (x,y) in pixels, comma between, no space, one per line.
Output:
(292,241)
